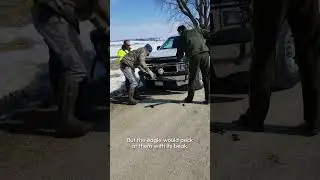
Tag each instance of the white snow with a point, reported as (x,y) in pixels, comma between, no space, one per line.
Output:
(118,82)
(116,45)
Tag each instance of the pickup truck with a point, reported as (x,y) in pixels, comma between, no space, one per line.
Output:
(230,25)
(170,71)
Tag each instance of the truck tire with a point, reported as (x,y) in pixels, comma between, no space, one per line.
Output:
(286,69)
(198,85)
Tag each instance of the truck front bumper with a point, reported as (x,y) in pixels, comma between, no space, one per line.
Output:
(170,79)
(176,76)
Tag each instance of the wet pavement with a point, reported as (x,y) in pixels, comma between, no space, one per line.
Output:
(279,153)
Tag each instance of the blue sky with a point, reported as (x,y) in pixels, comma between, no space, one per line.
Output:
(138,19)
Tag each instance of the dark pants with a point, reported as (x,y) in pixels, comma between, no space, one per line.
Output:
(303,17)
(100,43)
(67,70)
(62,38)
(202,62)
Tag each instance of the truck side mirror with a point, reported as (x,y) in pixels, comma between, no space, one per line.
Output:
(158,47)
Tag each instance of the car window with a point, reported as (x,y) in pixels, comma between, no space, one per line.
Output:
(170,43)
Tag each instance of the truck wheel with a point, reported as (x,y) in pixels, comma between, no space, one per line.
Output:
(286,69)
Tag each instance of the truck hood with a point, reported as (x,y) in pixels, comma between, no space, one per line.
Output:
(163,53)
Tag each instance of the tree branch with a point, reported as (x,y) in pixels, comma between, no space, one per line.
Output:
(194,11)
(186,11)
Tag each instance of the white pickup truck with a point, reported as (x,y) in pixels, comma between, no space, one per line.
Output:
(170,71)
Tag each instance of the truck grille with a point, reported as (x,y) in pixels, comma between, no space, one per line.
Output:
(170,69)
(166,69)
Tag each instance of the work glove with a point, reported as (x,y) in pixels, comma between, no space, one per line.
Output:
(151,74)
(141,73)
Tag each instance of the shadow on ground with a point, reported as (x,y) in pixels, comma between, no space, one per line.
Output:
(222,86)
(147,95)
(223,127)
(219,99)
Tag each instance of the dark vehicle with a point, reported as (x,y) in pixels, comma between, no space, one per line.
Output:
(170,71)
(231,25)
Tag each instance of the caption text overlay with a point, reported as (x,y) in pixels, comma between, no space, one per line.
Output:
(159,143)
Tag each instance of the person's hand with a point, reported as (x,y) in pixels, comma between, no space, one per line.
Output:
(152,75)
(141,73)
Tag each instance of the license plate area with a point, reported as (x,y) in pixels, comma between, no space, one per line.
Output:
(158,83)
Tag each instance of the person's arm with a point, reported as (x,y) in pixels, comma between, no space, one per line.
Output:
(100,17)
(99,23)
(180,49)
(142,60)
(206,33)
(141,69)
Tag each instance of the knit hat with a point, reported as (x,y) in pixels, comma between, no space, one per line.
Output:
(148,47)
(181,28)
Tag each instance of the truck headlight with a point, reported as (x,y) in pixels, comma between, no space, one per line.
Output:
(160,71)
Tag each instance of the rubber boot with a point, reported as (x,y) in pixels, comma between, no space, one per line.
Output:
(190,96)
(127,86)
(137,95)
(69,125)
(84,104)
(206,101)
(131,100)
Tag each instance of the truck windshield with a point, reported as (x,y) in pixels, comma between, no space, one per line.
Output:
(170,43)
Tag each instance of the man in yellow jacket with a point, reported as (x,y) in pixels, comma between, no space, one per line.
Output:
(124,50)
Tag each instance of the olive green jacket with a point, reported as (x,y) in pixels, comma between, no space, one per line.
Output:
(136,59)
(192,42)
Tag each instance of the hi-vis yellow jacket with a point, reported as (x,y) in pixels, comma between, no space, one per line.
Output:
(121,53)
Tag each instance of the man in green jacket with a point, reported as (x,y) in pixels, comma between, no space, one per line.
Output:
(193,45)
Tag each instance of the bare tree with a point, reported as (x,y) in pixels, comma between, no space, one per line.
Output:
(194,13)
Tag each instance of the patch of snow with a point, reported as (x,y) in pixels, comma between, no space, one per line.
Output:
(117,82)
(116,45)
